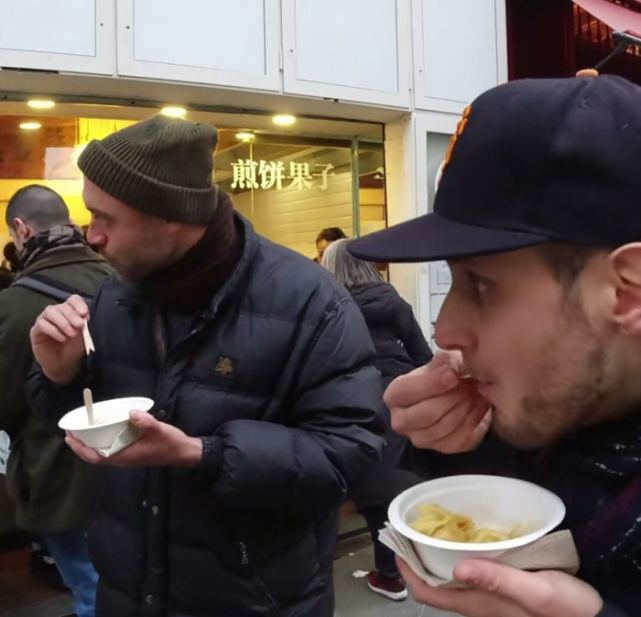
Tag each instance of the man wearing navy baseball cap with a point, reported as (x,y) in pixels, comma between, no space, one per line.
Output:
(538,214)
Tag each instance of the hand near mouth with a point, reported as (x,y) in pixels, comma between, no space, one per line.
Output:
(437,409)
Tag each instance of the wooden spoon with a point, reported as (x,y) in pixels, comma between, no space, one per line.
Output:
(89,347)
(89,405)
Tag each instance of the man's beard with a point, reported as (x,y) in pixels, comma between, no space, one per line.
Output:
(127,271)
(564,398)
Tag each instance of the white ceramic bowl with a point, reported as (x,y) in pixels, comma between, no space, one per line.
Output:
(492,502)
(110,417)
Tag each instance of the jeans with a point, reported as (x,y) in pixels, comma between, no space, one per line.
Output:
(384,558)
(70,552)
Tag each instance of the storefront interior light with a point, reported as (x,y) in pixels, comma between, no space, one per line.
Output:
(40,104)
(30,126)
(284,120)
(173,112)
(245,136)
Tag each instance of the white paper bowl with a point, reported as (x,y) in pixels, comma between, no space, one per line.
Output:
(491,502)
(110,416)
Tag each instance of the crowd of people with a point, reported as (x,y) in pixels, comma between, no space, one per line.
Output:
(284,387)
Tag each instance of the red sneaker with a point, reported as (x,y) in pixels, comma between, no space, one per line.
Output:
(392,588)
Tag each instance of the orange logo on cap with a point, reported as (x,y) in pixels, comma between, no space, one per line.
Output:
(460,127)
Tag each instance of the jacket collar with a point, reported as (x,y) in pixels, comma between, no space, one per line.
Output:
(62,256)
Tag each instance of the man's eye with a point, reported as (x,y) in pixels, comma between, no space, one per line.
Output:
(480,285)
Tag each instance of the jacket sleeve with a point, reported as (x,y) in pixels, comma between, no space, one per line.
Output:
(410,334)
(15,361)
(609,610)
(332,438)
(50,402)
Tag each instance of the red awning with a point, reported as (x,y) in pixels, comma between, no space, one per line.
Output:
(614,15)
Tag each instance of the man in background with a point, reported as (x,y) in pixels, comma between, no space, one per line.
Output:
(48,483)
(325,238)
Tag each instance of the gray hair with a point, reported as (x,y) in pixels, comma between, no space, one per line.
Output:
(350,272)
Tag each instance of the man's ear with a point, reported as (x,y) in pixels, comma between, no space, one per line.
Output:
(626,263)
(23,230)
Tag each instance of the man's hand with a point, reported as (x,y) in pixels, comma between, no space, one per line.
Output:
(496,590)
(56,339)
(436,409)
(161,445)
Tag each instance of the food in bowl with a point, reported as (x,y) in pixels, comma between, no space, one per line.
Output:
(437,522)
(111,418)
(491,502)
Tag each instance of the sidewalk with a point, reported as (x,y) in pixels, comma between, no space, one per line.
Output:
(354,599)
(20,596)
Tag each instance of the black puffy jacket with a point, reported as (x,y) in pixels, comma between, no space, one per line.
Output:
(399,341)
(279,373)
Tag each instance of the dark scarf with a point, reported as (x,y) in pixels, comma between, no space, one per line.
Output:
(51,241)
(189,285)
(606,491)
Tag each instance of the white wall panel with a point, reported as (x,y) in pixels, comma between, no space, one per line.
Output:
(60,35)
(356,51)
(217,42)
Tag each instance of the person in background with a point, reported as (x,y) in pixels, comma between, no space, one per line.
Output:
(10,254)
(9,266)
(47,482)
(400,348)
(266,395)
(325,238)
(537,214)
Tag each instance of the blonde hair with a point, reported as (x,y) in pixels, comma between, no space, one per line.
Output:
(350,272)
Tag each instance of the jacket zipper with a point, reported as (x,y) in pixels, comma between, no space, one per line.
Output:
(159,337)
(244,560)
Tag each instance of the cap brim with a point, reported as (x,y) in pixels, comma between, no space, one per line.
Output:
(433,237)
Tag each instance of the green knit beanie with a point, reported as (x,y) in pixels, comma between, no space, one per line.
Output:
(162,167)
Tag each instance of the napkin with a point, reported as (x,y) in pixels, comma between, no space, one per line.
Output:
(556,551)
(125,438)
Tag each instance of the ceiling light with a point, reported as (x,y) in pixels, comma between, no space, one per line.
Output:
(30,126)
(245,136)
(173,112)
(284,120)
(40,104)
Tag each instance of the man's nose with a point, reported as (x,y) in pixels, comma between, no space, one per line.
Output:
(454,330)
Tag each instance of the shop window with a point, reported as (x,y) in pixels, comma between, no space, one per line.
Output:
(290,186)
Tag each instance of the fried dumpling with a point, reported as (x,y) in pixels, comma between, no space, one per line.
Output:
(438,523)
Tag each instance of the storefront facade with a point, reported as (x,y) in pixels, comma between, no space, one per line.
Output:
(376,88)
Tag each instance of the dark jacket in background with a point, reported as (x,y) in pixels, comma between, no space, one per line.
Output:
(47,481)
(278,376)
(398,339)
(400,348)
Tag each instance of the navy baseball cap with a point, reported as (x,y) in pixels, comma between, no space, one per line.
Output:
(532,161)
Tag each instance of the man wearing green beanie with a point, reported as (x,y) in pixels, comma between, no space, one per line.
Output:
(262,375)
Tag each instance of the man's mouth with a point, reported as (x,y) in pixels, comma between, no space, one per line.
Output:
(482,385)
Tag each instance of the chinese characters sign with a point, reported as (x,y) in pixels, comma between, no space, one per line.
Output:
(249,174)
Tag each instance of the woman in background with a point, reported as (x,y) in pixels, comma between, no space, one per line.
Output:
(400,348)
(9,265)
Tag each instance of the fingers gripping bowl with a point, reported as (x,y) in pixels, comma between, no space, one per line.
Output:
(111,417)
(514,507)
